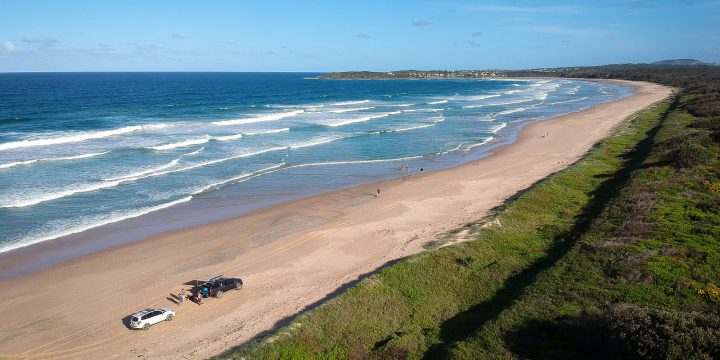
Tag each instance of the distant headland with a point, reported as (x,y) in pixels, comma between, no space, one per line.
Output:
(601,72)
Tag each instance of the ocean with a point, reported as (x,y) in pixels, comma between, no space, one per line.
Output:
(132,154)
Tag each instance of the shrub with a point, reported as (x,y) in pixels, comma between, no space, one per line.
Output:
(648,333)
(687,155)
(711,292)
(712,187)
(620,332)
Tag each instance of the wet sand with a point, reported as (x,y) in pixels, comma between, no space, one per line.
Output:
(290,256)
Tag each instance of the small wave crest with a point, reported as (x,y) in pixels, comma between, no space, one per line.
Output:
(481,143)
(259,118)
(315,142)
(41,198)
(340,111)
(33,161)
(78,137)
(498,127)
(350,162)
(228,137)
(236,179)
(363,119)
(183,143)
(96,222)
(274,131)
(437,102)
(193,153)
(568,101)
(512,111)
(343,103)
(144,172)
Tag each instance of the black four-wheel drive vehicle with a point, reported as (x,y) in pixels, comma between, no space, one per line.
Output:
(218,285)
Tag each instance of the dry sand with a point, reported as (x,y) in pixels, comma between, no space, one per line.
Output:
(290,256)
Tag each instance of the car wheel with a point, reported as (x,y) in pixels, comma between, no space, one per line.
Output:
(219,294)
(238,286)
(146,326)
(169,317)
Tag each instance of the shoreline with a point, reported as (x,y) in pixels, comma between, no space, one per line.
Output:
(39,255)
(314,246)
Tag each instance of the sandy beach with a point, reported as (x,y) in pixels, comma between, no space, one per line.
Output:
(291,256)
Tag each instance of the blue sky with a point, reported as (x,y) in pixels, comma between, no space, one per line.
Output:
(218,35)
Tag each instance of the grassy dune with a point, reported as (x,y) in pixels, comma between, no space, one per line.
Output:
(617,256)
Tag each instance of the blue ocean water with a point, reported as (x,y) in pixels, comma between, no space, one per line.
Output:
(79,151)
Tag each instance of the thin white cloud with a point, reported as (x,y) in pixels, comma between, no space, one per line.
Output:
(536,8)
(8,46)
(477,34)
(362,36)
(563,30)
(473,43)
(421,22)
(41,40)
(179,35)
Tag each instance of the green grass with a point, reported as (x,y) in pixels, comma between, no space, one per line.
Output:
(613,249)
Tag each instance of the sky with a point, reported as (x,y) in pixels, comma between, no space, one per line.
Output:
(321,36)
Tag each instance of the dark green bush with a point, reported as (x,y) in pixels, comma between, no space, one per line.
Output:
(690,137)
(648,333)
(710,123)
(620,332)
(687,155)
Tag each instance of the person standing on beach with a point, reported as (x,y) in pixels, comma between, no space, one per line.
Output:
(181,297)
(199,297)
(378,193)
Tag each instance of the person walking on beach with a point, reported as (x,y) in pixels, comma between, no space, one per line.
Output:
(199,297)
(181,297)
(378,193)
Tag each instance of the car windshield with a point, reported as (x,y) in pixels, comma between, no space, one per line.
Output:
(134,319)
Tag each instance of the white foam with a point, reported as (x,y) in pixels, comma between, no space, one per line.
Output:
(519,101)
(99,221)
(144,172)
(78,137)
(451,150)
(274,131)
(311,143)
(512,111)
(415,127)
(212,162)
(109,184)
(568,101)
(498,127)
(481,97)
(243,177)
(28,162)
(183,143)
(355,162)
(485,141)
(423,110)
(228,137)
(437,102)
(363,119)
(193,153)
(512,92)
(340,111)
(260,118)
(343,103)
(24,202)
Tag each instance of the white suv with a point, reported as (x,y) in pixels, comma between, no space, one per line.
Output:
(144,319)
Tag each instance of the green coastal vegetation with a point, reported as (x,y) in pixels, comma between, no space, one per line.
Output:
(615,257)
